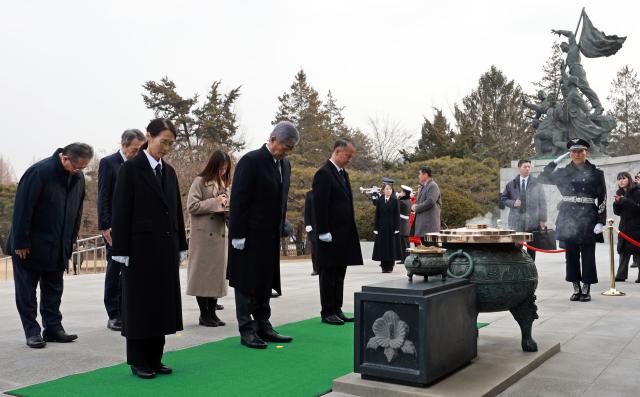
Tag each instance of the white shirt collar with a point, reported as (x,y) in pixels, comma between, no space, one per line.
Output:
(274,159)
(526,179)
(335,165)
(153,162)
(122,154)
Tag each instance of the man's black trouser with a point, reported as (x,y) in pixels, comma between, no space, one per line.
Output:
(585,253)
(112,286)
(331,289)
(313,245)
(51,286)
(146,352)
(252,312)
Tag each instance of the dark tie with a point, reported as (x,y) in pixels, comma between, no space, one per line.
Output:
(279,167)
(344,178)
(523,196)
(158,173)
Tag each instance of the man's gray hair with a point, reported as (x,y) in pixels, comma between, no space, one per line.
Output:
(343,143)
(78,151)
(131,135)
(285,132)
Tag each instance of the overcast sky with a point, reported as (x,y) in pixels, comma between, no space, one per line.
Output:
(73,70)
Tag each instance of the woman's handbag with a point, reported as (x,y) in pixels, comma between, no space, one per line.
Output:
(544,238)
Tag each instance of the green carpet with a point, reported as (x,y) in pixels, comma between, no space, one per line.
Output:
(305,367)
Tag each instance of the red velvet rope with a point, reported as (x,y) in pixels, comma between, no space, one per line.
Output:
(542,250)
(629,239)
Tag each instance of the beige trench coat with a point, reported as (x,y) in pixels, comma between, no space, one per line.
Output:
(207,269)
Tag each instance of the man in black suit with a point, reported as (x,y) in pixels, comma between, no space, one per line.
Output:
(338,241)
(46,221)
(309,222)
(130,143)
(256,219)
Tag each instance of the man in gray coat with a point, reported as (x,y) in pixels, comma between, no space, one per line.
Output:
(427,206)
(525,198)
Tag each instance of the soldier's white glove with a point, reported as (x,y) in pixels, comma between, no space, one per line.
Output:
(397,232)
(326,237)
(308,228)
(238,243)
(598,228)
(121,259)
(375,232)
(560,158)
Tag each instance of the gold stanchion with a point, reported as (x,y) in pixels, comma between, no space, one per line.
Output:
(612,291)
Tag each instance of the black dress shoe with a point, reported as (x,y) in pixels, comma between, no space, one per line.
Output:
(314,273)
(163,370)
(60,336)
(333,320)
(143,372)
(207,322)
(36,342)
(219,307)
(272,336)
(275,294)
(114,324)
(619,279)
(253,342)
(344,317)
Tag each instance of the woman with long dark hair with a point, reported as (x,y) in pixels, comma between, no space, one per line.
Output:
(149,239)
(626,204)
(386,248)
(208,203)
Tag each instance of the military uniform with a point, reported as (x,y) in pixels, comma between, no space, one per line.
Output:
(405,213)
(583,206)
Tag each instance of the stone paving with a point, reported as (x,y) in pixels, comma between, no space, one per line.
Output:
(600,339)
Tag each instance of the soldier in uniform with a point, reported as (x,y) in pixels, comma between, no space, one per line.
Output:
(581,214)
(404,200)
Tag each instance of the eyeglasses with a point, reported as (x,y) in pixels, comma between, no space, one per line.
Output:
(167,144)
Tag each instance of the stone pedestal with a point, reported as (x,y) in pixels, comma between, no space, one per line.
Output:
(610,165)
(414,333)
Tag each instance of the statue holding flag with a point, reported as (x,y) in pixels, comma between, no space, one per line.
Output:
(572,117)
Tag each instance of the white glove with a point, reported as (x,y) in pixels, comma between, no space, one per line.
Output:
(375,232)
(238,243)
(597,229)
(326,237)
(560,158)
(397,231)
(122,259)
(308,228)
(183,255)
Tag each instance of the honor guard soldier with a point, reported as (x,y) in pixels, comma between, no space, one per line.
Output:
(581,214)
(405,212)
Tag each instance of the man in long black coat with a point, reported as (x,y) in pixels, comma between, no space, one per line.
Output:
(256,219)
(338,241)
(309,222)
(46,221)
(581,214)
(405,213)
(130,143)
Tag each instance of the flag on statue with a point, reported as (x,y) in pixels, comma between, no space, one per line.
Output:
(594,43)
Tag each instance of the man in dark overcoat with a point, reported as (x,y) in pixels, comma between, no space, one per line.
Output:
(581,214)
(46,221)
(130,143)
(309,222)
(428,205)
(337,235)
(256,220)
(526,200)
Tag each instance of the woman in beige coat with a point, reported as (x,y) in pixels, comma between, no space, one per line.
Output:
(208,203)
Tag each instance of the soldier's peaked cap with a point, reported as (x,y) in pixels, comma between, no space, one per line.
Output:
(578,144)
(388,180)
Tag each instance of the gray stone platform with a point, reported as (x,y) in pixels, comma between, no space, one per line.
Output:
(499,365)
(600,340)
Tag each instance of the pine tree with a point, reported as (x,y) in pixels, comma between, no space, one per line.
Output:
(550,81)
(624,96)
(216,120)
(492,120)
(436,139)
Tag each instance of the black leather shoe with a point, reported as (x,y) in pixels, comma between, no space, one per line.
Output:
(207,322)
(253,342)
(36,342)
(275,294)
(272,336)
(163,370)
(619,279)
(333,320)
(60,336)
(344,317)
(219,307)
(314,273)
(114,324)
(143,372)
